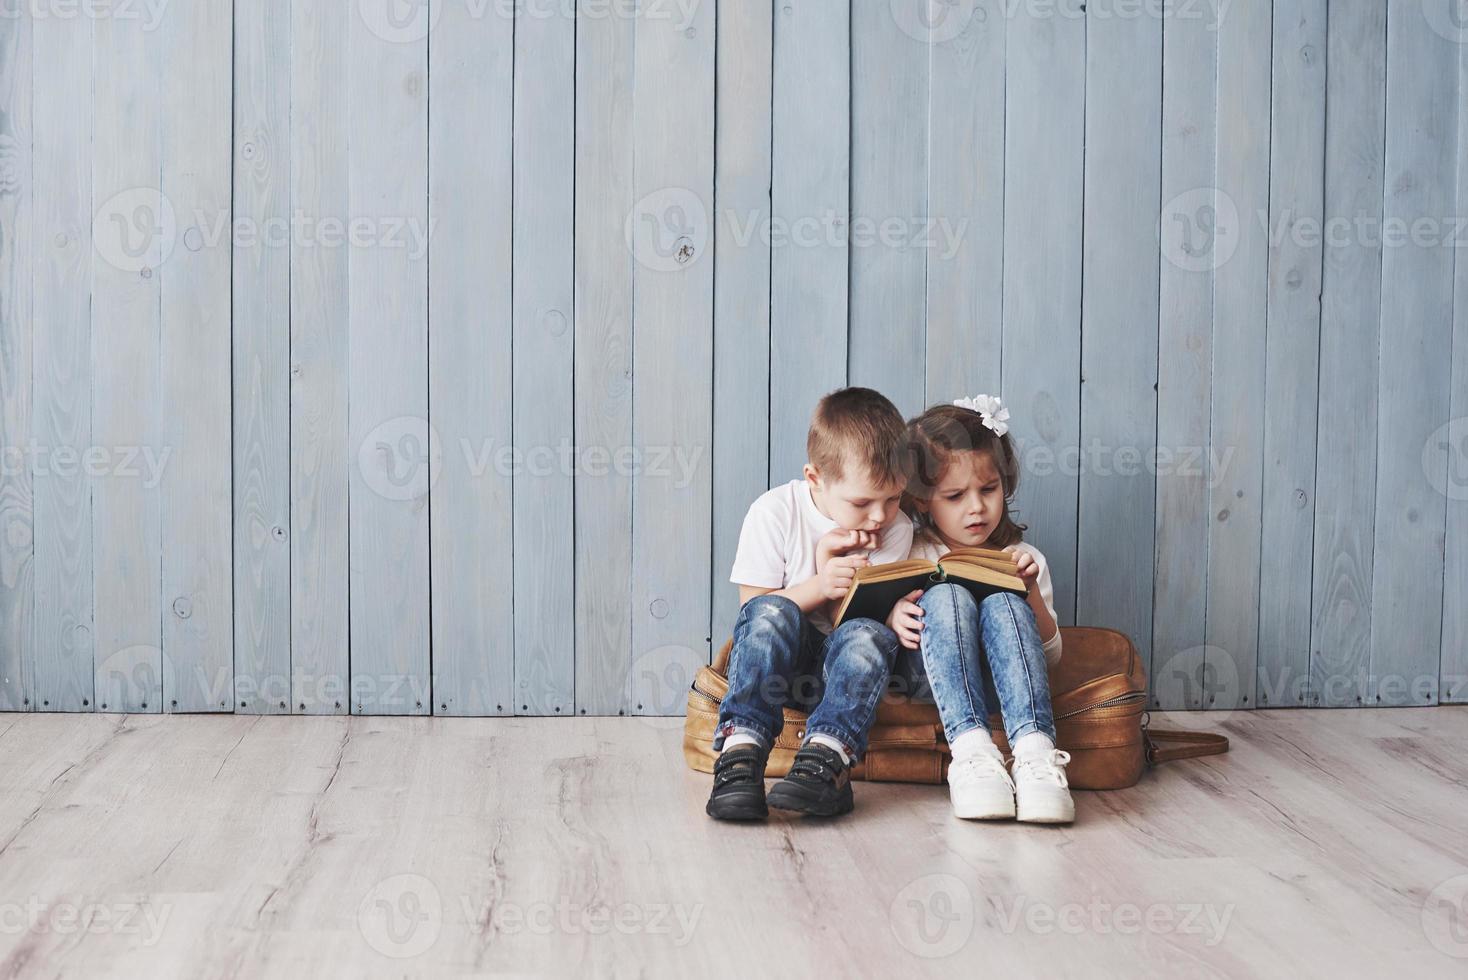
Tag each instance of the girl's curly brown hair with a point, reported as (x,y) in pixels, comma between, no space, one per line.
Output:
(934,438)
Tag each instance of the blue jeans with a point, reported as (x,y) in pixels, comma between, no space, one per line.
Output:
(969,648)
(780,659)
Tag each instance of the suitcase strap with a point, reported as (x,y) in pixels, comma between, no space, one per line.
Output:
(1164,745)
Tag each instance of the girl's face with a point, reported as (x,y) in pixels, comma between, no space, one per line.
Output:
(968,502)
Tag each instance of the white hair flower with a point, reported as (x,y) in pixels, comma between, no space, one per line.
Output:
(995,415)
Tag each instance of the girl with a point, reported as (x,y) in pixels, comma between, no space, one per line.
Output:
(965,475)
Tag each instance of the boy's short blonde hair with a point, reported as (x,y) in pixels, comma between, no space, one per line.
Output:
(858,429)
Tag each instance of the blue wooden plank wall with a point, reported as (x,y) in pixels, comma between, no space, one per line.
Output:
(360,356)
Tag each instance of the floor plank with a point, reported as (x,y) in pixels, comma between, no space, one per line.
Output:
(253,845)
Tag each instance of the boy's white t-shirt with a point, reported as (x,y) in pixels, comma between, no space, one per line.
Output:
(777,544)
(925,547)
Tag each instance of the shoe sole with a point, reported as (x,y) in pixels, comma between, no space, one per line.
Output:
(979,813)
(1051,818)
(779,801)
(748,804)
(738,815)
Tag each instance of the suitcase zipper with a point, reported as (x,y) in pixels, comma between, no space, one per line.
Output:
(1127,699)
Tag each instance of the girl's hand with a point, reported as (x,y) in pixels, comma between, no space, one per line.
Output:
(906,619)
(1025,564)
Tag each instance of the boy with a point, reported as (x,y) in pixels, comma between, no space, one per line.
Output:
(799,550)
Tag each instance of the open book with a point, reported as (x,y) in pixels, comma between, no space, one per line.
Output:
(877,588)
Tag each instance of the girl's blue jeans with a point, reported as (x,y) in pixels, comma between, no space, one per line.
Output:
(779,658)
(975,655)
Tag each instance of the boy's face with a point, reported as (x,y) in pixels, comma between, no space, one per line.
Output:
(856,502)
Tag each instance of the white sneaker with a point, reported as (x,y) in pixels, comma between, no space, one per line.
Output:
(1042,794)
(980,787)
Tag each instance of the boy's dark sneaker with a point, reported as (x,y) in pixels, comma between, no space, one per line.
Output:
(739,784)
(819,783)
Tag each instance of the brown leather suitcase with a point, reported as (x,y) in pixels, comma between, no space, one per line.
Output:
(1098,693)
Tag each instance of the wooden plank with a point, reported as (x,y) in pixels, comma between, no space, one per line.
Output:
(965,291)
(743,175)
(320,457)
(889,260)
(810,208)
(262,362)
(1191,249)
(1350,327)
(1415,369)
(197,585)
(1292,357)
(1119,338)
(134,233)
(1043,167)
(1452,442)
(1239,309)
(672,418)
(19,344)
(543,361)
(64,652)
(396,452)
(471,74)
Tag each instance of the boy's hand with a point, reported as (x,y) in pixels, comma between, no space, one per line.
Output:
(838,573)
(842,542)
(1026,566)
(906,619)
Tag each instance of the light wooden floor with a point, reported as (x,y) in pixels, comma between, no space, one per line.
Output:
(1326,843)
